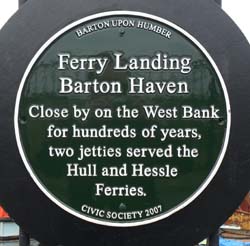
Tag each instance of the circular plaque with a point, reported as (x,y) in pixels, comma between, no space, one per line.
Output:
(122,118)
(132,120)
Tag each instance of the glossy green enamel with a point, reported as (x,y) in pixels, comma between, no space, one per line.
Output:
(42,87)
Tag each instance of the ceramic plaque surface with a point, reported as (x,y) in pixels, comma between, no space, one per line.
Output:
(122,118)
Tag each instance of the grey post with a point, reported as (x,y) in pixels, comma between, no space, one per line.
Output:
(20,2)
(219,2)
(24,238)
(214,238)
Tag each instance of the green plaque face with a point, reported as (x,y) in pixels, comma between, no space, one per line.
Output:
(122,118)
